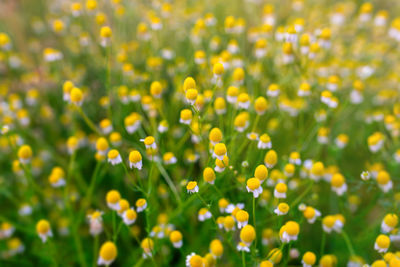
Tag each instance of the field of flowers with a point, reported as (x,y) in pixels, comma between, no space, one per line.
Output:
(200,133)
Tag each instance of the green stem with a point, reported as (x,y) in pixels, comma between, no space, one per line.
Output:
(321,250)
(89,122)
(95,248)
(169,182)
(348,243)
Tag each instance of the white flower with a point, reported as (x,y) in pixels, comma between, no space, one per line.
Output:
(365,175)
(204,216)
(116,160)
(138,165)
(286,238)
(340,190)
(256,192)
(44,236)
(386,187)
(243,247)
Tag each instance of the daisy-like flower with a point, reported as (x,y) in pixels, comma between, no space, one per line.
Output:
(243,101)
(332,223)
(156,89)
(253,185)
(280,190)
(129,216)
(264,142)
(114,157)
(247,235)
(43,229)
(216,248)
(375,142)
(220,151)
(215,136)
(232,94)
(229,223)
(141,204)
(108,253)
(25,154)
(294,158)
(192,187)
(311,214)
(338,184)
(365,175)
(282,209)
(289,232)
(24,210)
(271,158)
(157,231)
(242,218)
(220,106)
(241,121)
(204,214)
(106,126)
(317,170)
(135,160)
(6,230)
(194,260)
(163,126)
(5,129)
(242,247)
(389,223)
(95,222)
(123,206)
(382,243)
(223,204)
(323,133)
(261,173)
(149,142)
(15,246)
(342,140)
(176,239)
(384,181)
(56,178)
(267,236)
(209,175)
(72,144)
(186,116)
(132,122)
(218,69)
(102,146)
(275,255)
(261,105)
(112,198)
(191,96)
(289,170)
(105,36)
(220,165)
(304,89)
(169,158)
(287,55)
(252,136)
(308,259)
(273,90)
(260,48)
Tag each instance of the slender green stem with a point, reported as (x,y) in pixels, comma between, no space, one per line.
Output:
(243,259)
(115,235)
(348,243)
(95,249)
(88,121)
(169,182)
(321,250)
(305,192)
